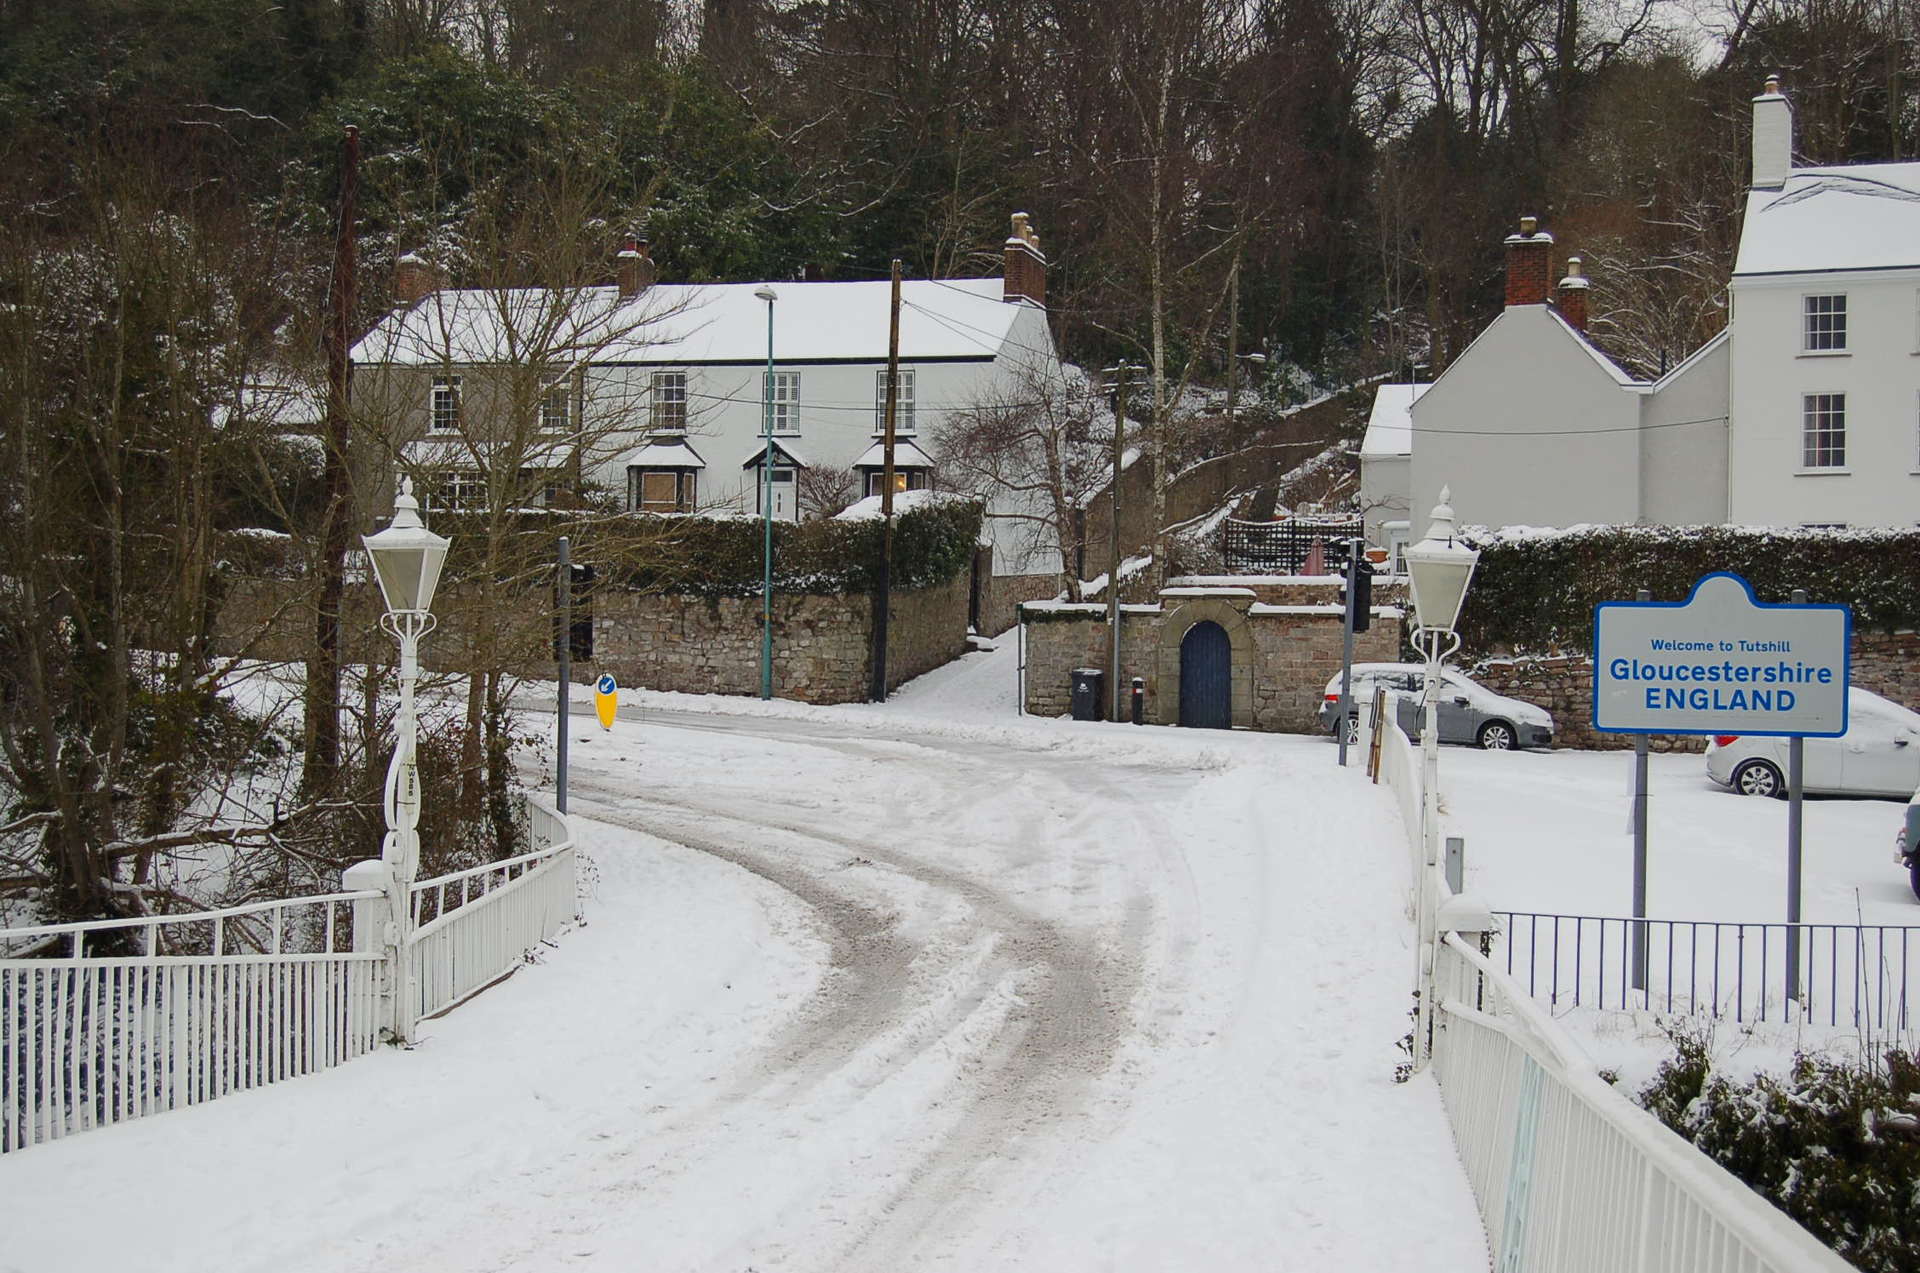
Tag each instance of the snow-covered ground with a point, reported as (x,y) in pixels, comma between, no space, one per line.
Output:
(921,985)
(1548,831)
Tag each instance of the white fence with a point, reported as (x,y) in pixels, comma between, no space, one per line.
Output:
(460,946)
(170,1011)
(1571,1175)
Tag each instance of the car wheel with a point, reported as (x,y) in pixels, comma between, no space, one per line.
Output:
(1496,735)
(1353,731)
(1913,876)
(1758,778)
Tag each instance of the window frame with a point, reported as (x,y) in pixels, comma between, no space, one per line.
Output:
(1829,456)
(457,490)
(560,389)
(1823,331)
(686,489)
(444,402)
(786,402)
(905,410)
(667,413)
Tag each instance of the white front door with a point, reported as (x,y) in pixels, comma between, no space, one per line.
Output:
(785,508)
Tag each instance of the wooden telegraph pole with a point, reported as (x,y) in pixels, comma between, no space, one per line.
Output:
(883,595)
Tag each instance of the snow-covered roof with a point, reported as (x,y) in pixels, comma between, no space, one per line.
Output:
(1390,425)
(782,452)
(681,324)
(868,509)
(906,455)
(666,453)
(1851,217)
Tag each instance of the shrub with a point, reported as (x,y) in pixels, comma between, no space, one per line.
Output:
(1535,592)
(1835,1143)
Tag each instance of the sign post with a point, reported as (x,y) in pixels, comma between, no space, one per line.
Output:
(1722,662)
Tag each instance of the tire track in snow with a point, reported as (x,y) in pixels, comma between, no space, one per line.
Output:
(1020,1088)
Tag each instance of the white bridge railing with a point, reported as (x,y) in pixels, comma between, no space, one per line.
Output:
(1570,1175)
(140,1016)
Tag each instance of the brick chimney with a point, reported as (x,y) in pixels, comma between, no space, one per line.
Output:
(415,279)
(1571,299)
(1772,136)
(1529,264)
(1025,274)
(633,268)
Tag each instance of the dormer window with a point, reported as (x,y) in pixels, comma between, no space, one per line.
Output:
(1825,329)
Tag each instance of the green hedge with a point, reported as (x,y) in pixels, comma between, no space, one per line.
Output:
(1535,592)
(722,557)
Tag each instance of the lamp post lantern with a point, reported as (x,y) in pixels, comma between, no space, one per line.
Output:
(1439,568)
(768,295)
(406,559)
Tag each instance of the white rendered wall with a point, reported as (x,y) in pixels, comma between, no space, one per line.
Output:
(834,424)
(1879,373)
(1528,429)
(1384,485)
(1683,449)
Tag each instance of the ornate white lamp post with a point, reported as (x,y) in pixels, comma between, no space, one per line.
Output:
(406,559)
(1439,569)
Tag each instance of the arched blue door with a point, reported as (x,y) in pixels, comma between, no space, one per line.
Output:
(1206,677)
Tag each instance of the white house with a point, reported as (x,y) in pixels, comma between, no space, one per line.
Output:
(654,391)
(1804,411)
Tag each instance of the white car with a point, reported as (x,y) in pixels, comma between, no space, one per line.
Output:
(1468,713)
(1879,755)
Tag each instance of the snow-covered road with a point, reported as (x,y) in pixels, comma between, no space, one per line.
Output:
(882,988)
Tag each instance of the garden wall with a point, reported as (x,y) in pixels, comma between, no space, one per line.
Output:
(1282,655)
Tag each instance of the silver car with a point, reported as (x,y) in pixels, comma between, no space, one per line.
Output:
(1469,713)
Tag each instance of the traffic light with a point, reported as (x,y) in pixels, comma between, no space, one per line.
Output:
(1357,595)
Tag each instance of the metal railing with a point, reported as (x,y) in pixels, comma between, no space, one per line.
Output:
(188,1009)
(1284,547)
(504,909)
(140,1016)
(1569,1174)
(1855,975)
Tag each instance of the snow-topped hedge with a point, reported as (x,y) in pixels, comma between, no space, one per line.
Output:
(1535,589)
(933,541)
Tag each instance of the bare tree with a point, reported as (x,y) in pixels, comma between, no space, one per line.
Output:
(1024,448)
(826,489)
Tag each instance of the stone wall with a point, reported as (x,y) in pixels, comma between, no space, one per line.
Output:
(1886,663)
(821,644)
(1283,655)
(1000,607)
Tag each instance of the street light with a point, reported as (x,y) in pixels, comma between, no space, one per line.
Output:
(1439,568)
(406,558)
(768,295)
